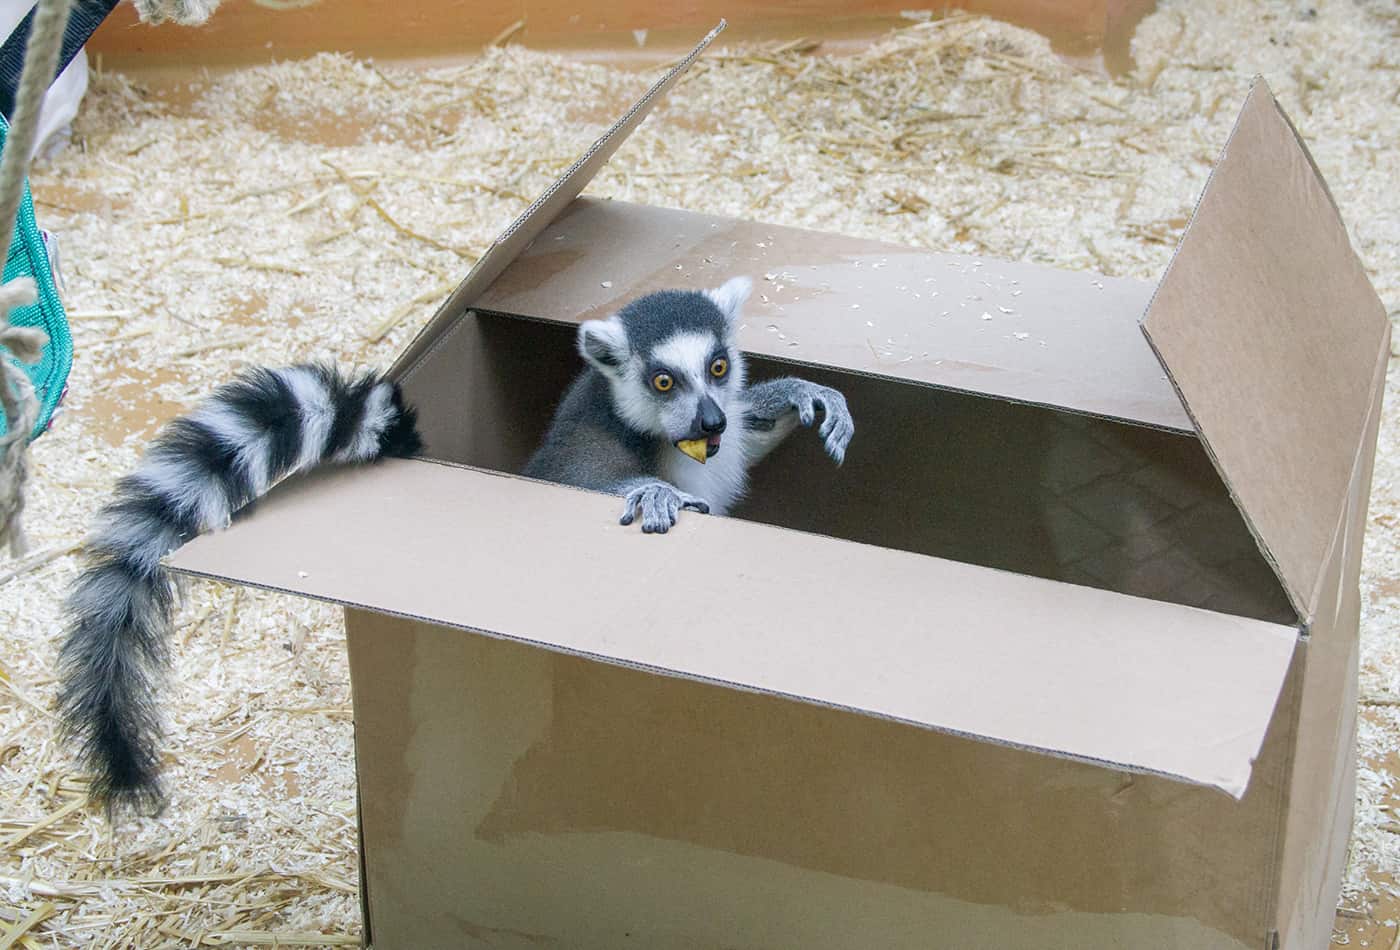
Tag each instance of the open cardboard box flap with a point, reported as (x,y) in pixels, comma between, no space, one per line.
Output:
(1015,331)
(544,209)
(1032,663)
(1276,340)
(1270,333)
(1073,671)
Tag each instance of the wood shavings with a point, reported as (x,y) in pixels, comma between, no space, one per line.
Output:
(176,196)
(13,935)
(254,938)
(35,560)
(503,37)
(259,265)
(212,345)
(53,818)
(382,328)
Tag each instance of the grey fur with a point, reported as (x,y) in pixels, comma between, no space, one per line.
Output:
(202,469)
(658,503)
(773,402)
(614,432)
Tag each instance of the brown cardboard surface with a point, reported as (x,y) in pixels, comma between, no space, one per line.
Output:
(1323,786)
(1096,502)
(522,798)
(1013,330)
(620,757)
(544,208)
(1096,675)
(1271,331)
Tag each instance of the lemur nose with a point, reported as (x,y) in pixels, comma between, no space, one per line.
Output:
(712,419)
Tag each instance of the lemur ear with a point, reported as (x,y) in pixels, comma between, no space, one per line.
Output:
(730,297)
(603,343)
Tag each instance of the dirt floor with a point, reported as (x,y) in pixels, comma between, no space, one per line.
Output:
(322,208)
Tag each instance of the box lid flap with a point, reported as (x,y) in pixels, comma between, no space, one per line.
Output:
(543,210)
(1072,671)
(1271,332)
(1017,331)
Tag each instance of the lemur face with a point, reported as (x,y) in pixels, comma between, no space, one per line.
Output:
(672,362)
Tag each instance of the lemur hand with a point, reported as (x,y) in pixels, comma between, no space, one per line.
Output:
(771,399)
(659,503)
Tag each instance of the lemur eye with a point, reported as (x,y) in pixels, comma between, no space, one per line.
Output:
(663,382)
(719,367)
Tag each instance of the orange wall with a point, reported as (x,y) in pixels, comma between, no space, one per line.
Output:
(251,30)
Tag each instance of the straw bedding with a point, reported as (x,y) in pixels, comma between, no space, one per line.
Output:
(323,208)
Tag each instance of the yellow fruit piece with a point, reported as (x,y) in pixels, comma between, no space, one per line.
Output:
(697,449)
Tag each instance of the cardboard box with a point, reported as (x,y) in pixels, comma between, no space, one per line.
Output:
(1064,656)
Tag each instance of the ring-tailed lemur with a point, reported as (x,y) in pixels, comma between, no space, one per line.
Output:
(665,384)
(200,470)
(663,370)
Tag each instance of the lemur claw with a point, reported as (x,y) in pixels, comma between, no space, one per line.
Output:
(659,504)
(772,401)
(837,425)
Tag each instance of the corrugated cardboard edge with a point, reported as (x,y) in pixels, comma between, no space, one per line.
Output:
(1233,785)
(538,216)
(366,925)
(1317,824)
(600,253)
(1254,85)
(1302,604)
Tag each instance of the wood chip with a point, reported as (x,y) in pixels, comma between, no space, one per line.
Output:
(13,934)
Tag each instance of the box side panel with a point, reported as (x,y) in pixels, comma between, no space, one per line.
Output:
(361,755)
(488,391)
(727,601)
(1126,508)
(515,798)
(1270,329)
(1324,772)
(1009,329)
(542,211)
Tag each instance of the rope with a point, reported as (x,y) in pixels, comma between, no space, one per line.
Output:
(183,12)
(16,392)
(84,19)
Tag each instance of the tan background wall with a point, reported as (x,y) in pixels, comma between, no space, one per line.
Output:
(250,30)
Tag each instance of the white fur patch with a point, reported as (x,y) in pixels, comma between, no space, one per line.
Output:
(250,444)
(634,402)
(316,410)
(731,296)
(609,334)
(138,539)
(379,413)
(721,481)
(186,487)
(688,356)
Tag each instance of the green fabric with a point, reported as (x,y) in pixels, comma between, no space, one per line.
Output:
(28,256)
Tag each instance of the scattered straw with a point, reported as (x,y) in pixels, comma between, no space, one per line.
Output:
(958,133)
(35,561)
(14,934)
(53,818)
(383,327)
(213,345)
(503,37)
(260,265)
(256,938)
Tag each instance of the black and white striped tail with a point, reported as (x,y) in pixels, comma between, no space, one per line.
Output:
(199,471)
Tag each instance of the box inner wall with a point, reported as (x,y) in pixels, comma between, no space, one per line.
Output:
(956,475)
